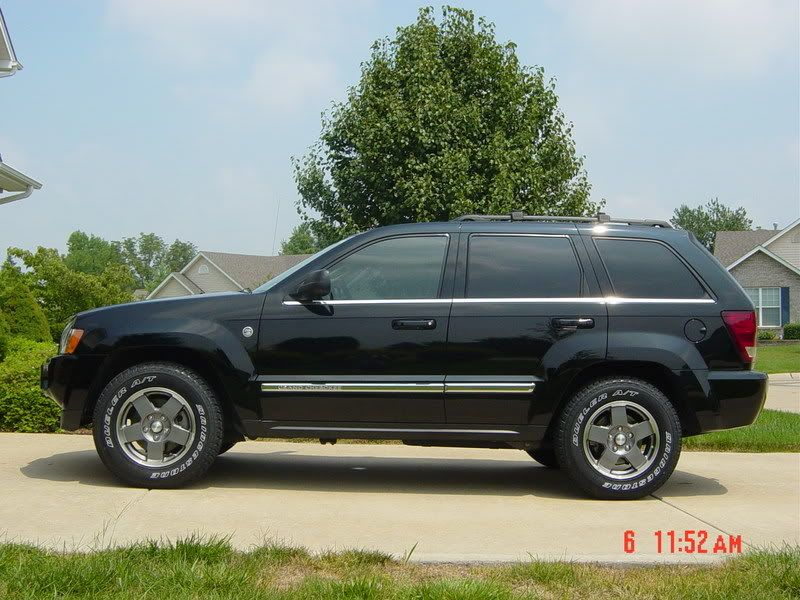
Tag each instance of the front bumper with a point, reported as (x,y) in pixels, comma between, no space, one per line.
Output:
(737,398)
(67,379)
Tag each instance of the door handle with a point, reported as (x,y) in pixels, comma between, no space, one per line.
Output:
(574,323)
(414,324)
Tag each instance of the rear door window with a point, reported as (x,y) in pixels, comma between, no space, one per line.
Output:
(522,266)
(647,269)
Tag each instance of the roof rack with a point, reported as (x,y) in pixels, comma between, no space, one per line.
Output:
(519,215)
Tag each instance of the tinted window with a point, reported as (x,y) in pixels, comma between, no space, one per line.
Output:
(409,267)
(642,269)
(522,267)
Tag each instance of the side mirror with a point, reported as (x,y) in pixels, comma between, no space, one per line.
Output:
(316,285)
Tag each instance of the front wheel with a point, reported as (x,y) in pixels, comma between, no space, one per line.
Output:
(619,439)
(158,425)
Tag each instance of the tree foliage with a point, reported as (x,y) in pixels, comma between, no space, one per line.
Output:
(62,292)
(705,221)
(22,315)
(150,259)
(91,254)
(302,241)
(444,121)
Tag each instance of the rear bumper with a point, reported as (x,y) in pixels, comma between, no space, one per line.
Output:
(737,398)
(66,378)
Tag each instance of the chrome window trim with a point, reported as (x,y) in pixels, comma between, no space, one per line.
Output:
(586,300)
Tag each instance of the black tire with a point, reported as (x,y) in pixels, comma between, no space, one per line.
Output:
(185,406)
(604,469)
(545,457)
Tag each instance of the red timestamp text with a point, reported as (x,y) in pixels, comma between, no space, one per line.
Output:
(688,541)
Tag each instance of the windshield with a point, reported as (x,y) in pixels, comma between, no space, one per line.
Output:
(264,287)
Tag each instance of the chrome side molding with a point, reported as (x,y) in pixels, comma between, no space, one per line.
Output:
(476,387)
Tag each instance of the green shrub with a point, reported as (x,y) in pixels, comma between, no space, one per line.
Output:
(766,335)
(22,312)
(791,331)
(23,407)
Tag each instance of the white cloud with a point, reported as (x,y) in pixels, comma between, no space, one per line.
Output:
(718,38)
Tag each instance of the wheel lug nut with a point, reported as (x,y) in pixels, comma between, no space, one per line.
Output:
(627,447)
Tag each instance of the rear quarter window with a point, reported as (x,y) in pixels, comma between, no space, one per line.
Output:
(647,269)
(522,266)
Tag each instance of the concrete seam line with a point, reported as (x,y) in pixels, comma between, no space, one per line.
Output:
(686,512)
(113,522)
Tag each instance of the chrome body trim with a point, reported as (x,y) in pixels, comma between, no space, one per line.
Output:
(475,387)
(395,430)
(344,386)
(522,387)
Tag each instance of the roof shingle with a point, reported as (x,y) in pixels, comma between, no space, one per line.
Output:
(729,246)
(249,270)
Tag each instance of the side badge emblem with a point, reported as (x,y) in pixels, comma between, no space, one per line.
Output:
(247,331)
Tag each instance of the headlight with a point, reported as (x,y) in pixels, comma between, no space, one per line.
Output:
(70,338)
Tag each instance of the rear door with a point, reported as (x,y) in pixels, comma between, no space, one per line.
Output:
(526,307)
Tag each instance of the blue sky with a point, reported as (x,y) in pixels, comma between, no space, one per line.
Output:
(180,117)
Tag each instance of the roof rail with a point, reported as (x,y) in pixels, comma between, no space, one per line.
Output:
(519,215)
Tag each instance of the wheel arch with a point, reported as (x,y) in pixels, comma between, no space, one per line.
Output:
(223,385)
(666,380)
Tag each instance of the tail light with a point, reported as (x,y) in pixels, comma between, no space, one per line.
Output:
(741,325)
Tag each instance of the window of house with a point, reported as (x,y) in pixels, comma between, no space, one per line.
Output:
(396,268)
(522,266)
(767,301)
(644,269)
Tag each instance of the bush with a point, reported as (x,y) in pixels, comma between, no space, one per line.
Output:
(22,312)
(23,407)
(766,335)
(791,331)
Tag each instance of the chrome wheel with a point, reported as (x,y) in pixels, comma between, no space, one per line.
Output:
(621,440)
(155,427)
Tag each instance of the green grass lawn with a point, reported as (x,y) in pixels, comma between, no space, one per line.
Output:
(778,359)
(773,431)
(193,569)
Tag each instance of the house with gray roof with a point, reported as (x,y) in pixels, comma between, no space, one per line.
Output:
(766,263)
(223,272)
(13,184)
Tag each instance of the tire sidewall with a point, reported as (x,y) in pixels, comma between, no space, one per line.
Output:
(207,438)
(579,416)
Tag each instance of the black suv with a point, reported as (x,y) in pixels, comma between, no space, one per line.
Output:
(593,344)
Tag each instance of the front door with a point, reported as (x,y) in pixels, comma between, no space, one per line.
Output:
(522,309)
(373,350)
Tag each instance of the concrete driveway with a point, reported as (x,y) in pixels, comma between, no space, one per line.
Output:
(454,504)
(784,392)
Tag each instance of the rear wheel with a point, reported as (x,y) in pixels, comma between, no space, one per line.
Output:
(619,438)
(158,425)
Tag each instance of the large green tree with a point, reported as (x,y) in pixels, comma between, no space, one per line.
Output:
(302,241)
(91,254)
(444,121)
(62,292)
(150,259)
(705,221)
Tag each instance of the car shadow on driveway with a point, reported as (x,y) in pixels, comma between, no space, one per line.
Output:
(289,470)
